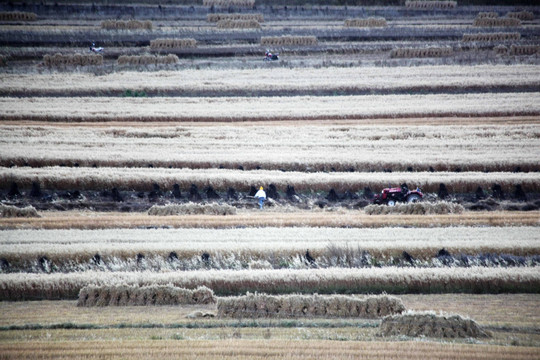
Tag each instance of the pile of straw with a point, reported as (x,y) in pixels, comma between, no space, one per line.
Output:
(421,52)
(430,5)
(218,17)
(126,25)
(496,22)
(288,40)
(242,3)
(268,306)
(133,295)
(192,209)
(497,36)
(17,16)
(173,43)
(420,208)
(147,60)
(72,60)
(524,49)
(238,24)
(369,22)
(430,325)
(8,211)
(521,15)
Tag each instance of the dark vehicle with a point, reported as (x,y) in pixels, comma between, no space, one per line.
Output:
(390,196)
(268,56)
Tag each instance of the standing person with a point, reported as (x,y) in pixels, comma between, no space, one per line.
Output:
(262,196)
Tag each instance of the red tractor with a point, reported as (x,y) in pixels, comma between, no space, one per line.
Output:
(390,196)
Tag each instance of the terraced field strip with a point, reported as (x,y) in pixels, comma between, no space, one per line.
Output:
(355,219)
(452,78)
(332,146)
(80,246)
(475,279)
(234,109)
(141,179)
(265,349)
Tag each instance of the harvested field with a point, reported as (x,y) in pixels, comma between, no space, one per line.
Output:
(266,306)
(414,324)
(124,295)
(81,220)
(235,109)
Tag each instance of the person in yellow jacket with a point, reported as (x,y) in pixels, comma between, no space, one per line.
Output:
(261,195)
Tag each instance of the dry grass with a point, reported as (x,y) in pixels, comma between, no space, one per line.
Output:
(498,36)
(420,208)
(421,52)
(7,211)
(147,60)
(126,25)
(26,286)
(72,60)
(192,209)
(496,22)
(267,306)
(173,43)
(218,17)
(234,109)
(153,295)
(238,24)
(430,5)
(142,179)
(288,40)
(17,16)
(354,219)
(428,324)
(369,22)
(246,349)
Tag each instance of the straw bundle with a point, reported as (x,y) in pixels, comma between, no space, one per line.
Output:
(288,40)
(521,15)
(421,208)
(369,22)
(17,16)
(238,24)
(496,22)
(430,5)
(147,60)
(192,209)
(8,211)
(421,52)
(126,25)
(72,60)
(173,43)
(217,17)
(498,36)
(524,49)
(242,3)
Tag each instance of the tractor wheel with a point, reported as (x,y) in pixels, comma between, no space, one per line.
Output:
(413,198)
(391,203)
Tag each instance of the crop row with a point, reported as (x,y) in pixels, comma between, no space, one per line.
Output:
(184,249)
(63,178)
(323,281)
(357,79)
(309,148)
(234,109)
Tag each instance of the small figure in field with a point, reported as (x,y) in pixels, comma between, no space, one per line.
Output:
(261,195)
(95,49)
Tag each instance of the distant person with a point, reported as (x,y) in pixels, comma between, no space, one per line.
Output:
(262,197)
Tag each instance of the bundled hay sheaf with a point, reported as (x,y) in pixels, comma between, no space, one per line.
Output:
(524,49)
(288,40)
(242,3)
(430,325)
(496,22)
(430,5)
(498,36)
(192,209)
(238,24)
(8,211)
(487,15)
(267,306)
(17,16)
(521,15)
(126,25)
(72,60)
(419,208)
(173,43)
(218,17)
(147,60)
(369,22)
(132,295)
(421,52)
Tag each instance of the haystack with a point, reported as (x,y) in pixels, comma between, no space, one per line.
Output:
(286,306)
(428,324)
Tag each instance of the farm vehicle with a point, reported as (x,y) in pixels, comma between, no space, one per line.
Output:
(390,196)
